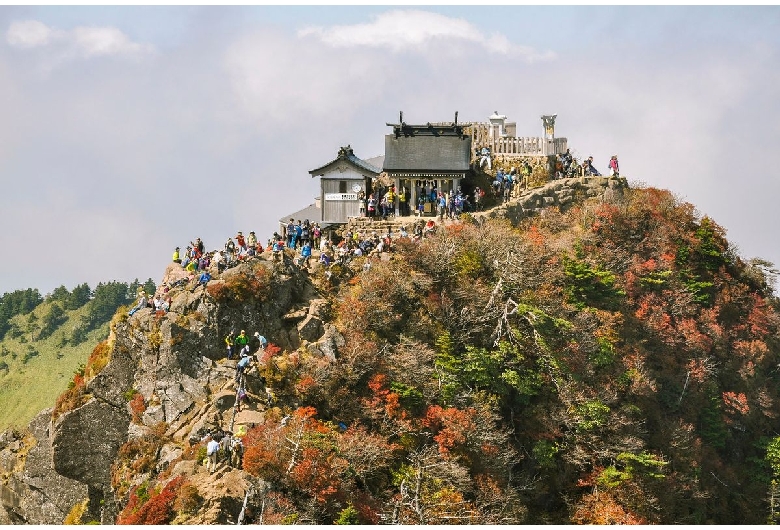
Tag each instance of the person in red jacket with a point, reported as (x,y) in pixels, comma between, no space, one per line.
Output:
(241,242)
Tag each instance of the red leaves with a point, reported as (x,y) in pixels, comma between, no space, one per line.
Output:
(271,350)
(137,406)
(157,510)
(452,426)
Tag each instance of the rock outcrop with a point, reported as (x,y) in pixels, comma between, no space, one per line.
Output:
(176,363)
(167,383)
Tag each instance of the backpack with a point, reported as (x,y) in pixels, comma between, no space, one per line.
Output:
(316,232)
(305,233)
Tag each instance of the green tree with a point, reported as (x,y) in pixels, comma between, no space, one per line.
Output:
(51,320)
(81,295)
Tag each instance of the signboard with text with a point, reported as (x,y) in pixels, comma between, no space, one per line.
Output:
(341,196)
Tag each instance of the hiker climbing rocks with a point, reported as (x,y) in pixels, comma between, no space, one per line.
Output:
(242,367)
(263,340)
(242,342)
(140,305)
(229,338)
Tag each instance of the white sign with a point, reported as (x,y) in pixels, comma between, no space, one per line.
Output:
(341,196)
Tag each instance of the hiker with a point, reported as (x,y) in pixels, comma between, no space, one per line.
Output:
(276,249)
(140,305)
(230,250)
(614,170)
(297,235)
(371,205)
(290,232)
(204,278)
(198,247)
(240,241)
(166,305)
(176,257)
(589,169)
(251,242)
(242,366)
(187,256)
(403,205)
(306,254)
(241,342)
(430,227)
(236,451)
(263,341)
(211,451)
(317,234)
(484,158)
(229,338)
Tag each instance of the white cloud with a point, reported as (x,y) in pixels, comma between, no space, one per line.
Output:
(82,41)
(105,41)
(287,82)
(28,34)
(403,30)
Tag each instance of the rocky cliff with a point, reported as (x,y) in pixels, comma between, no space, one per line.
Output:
(596,354)
(176,363)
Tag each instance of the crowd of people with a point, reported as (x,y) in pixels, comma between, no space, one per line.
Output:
(567,166)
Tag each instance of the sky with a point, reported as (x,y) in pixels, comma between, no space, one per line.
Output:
(128,131)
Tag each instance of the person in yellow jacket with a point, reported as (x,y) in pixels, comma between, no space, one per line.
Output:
(229,343)
(176,257)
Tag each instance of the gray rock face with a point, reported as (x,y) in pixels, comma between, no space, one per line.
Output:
(86,440)
(37,495)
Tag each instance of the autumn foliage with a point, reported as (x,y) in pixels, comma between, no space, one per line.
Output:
(615,363)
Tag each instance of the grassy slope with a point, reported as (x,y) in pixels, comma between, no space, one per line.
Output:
(27,388)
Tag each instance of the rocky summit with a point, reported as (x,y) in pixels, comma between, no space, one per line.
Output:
(583,353)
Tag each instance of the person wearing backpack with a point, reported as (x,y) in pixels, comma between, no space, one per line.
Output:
(317,235)
(242,366)
(306,254)
(290,233)
(212,448)
(241,342)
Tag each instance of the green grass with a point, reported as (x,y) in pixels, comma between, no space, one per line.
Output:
(28,387)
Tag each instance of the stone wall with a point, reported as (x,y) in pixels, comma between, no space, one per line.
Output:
(562,193)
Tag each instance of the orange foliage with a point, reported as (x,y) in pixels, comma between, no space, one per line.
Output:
(453,426)
(155,511)
(736,403)
(137,406)
(271,350)
(602,509)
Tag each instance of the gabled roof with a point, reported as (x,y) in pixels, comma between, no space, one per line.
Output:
(427,152)
(311,212)
(346,155)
